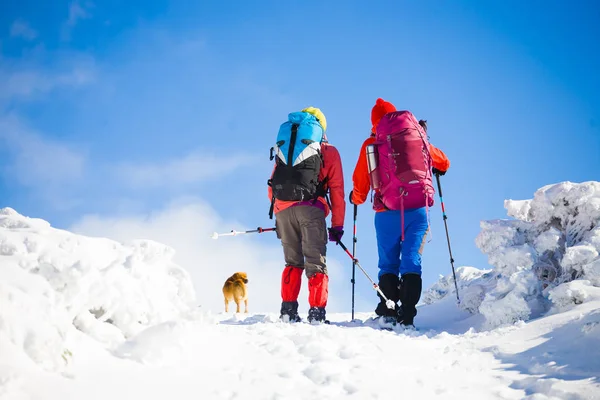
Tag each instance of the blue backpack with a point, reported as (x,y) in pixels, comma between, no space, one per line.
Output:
(298,160)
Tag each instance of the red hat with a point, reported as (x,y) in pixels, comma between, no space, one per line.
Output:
(380,108)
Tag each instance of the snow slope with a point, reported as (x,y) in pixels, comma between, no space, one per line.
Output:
(255,358)
(90,318)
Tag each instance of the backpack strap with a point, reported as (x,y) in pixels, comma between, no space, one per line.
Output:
(402,214)
(326,193)
(272,208)
(322,191)
(328,200)
(290,155)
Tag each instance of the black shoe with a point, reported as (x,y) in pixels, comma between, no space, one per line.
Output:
(289,312)
(410,293)
(382,310)
(290,318)
(317,314)
(387,322)
(404,317)
(389,285)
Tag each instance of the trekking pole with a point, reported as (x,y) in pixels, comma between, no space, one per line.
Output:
(235,233)
(354,258)
(437,177)
(389,303)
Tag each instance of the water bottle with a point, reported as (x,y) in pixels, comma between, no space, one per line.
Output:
(372,165)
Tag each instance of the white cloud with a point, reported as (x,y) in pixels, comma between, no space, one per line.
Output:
(21,29)
(28,83)
(25,78)
(77,12)
(36,161)
(193,168)
(48,166)
(187,225)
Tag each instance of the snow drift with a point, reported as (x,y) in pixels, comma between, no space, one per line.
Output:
(54,283)
(553,240)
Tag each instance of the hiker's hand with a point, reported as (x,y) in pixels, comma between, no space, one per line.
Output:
(438,172)
(336,233)
(353,201)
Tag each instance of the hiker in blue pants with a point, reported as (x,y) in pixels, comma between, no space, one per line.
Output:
(397,162)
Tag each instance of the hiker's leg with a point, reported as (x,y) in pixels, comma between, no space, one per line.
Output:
(314,246)
(288,230)
(314,238)
(389,234)
(416,228)
(415,235)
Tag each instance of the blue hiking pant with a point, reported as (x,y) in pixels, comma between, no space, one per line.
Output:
(388,229)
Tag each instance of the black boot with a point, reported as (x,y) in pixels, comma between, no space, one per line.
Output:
(388,284)
(317,314)
(289,311)
(410,293)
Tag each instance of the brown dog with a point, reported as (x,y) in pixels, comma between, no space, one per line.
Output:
(234,289)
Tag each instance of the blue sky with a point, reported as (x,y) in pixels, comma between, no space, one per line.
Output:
(116,110)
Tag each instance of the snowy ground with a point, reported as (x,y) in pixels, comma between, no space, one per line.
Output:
(252,357)
(90,318)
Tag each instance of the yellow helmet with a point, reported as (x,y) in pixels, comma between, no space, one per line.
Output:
(318,115)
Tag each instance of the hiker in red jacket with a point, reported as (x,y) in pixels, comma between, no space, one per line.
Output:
(301,224)
(403,193)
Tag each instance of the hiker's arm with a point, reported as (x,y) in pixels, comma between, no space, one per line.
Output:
(336,188)
(361,184)
(440,161)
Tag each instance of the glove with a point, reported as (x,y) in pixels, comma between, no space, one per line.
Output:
(438,172)
(336,233)
(350,197)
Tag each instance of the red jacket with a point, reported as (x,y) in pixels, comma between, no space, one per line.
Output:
(332,168)
(362,181)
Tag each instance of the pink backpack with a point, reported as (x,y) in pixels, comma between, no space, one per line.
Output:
(403,163)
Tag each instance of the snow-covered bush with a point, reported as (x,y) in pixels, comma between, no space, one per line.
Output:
(553,239)
(53,282)
(565,296)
